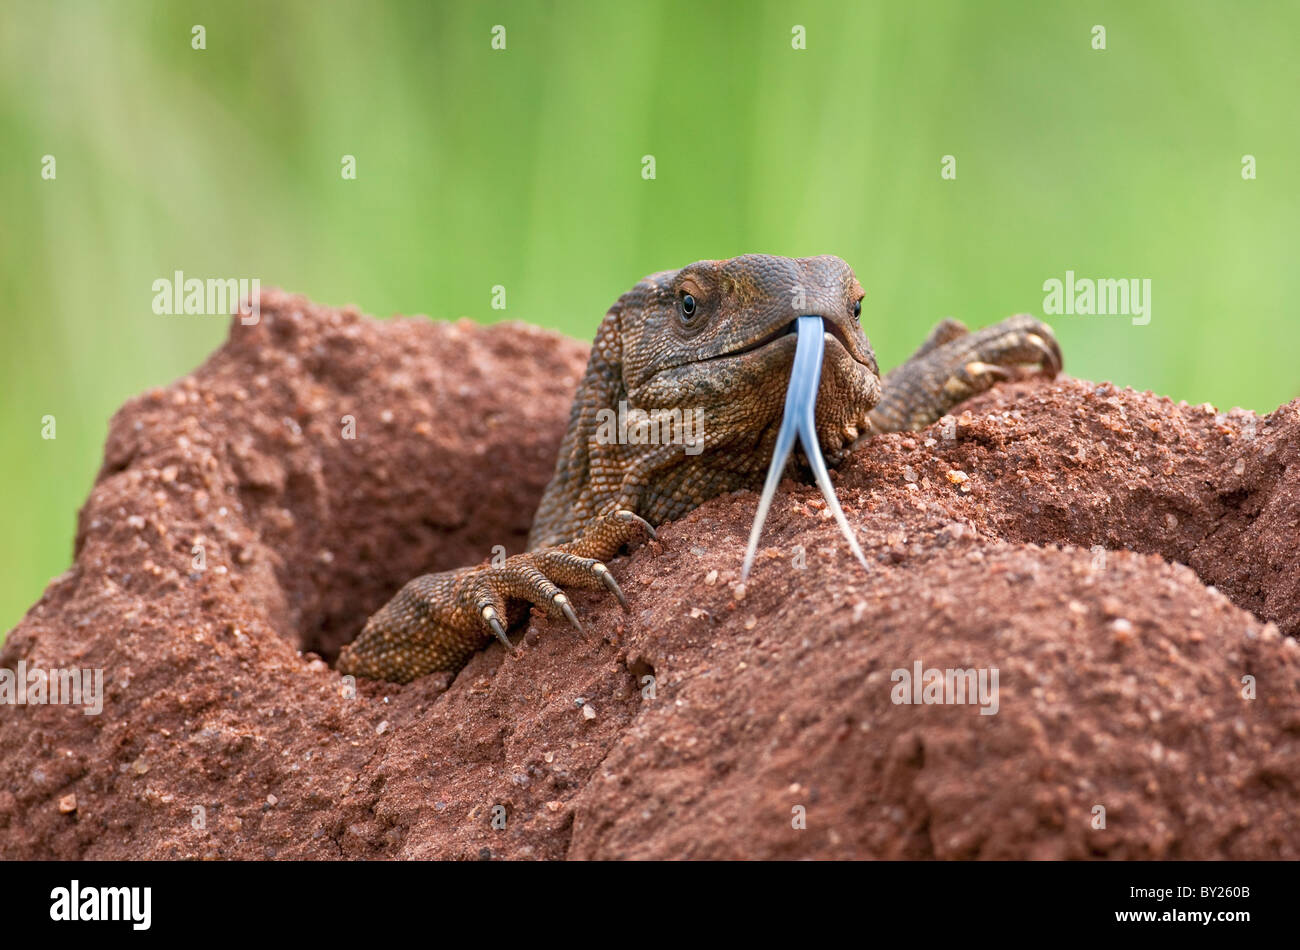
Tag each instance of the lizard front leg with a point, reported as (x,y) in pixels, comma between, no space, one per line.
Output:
(438,621)
(954,364)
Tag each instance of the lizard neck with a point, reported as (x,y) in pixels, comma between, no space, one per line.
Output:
(585,482)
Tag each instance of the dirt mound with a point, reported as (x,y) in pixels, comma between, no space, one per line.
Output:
(249,517)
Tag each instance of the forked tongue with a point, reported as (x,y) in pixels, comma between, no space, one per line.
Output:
(800,404)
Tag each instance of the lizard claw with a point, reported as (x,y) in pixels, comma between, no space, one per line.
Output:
(980,368)
(1050,353)
(490,618)
(563,603)
(631,517)
(608,580)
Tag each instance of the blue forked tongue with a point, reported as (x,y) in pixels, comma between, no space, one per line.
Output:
(800,403)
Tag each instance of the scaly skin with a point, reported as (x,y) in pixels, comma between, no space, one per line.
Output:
(728,361)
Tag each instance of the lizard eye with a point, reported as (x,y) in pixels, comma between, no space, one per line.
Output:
(857,309)
(688,305)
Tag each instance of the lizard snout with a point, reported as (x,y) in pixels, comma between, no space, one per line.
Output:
(845,331)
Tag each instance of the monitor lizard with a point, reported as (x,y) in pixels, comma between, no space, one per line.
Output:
(715,338)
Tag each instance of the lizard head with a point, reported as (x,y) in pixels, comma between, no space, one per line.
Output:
(719,337)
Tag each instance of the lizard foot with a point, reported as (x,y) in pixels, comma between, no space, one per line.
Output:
(438,621)
(953,364)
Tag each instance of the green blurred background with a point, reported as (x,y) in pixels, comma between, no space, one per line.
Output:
(523,168)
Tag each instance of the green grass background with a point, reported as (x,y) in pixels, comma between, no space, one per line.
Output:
(523,168)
